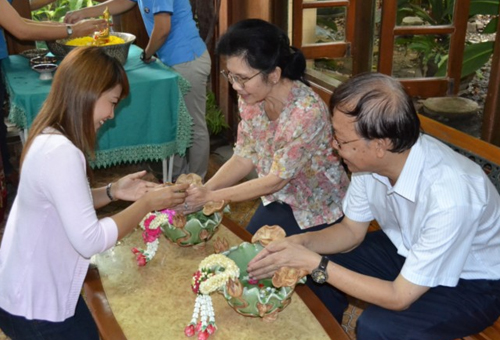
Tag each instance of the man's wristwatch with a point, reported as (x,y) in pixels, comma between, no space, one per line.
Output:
(319,275)
(69,29)
(143,56)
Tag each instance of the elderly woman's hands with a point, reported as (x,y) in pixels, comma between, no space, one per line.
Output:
(196,198)
(166,196)
(288,252)
(198,195)
(132,187)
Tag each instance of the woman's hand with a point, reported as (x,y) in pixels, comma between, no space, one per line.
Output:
(72,17)
(88,27)
(132,187)
(167,196)
(198,195)
(194,200)
(287,252)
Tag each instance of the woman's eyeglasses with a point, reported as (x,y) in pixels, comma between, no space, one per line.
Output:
(233,79)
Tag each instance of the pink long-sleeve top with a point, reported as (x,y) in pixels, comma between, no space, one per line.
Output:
(51,233)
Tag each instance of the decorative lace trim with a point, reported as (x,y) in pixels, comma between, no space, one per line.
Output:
(132,154)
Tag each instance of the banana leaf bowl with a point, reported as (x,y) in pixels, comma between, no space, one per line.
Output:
(263,298)
(193,229)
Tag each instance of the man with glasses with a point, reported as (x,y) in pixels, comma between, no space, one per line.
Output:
(439,243)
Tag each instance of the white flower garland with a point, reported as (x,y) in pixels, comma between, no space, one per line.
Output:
(212,263)
(206,280)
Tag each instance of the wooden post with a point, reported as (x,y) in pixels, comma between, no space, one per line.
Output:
(491,115)
(362,44)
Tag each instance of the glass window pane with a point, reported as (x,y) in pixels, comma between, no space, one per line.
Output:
(323,25)
(332,71)
(425,12)
(417,56)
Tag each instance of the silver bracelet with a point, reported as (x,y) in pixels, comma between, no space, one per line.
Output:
(108,191)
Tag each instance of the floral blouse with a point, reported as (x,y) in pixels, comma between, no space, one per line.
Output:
(298,146)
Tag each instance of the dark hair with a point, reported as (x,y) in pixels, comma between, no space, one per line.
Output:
(80,80)
(264,47)
(382,109)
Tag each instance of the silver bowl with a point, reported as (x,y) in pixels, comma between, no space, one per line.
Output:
(35,52)
(45,70)
(43,60)
(118,51)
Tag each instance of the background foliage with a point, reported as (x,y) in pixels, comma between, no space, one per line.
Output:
(58,9)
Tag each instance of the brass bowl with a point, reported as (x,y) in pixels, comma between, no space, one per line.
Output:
(118,51)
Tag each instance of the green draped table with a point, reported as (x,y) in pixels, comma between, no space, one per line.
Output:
(152,123)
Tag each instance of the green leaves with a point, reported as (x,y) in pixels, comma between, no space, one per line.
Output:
(491,27)
(216,121)
(58,9)
(475,56)
(484,7)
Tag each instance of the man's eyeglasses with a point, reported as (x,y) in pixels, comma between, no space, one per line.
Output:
(236,79)
(339,144)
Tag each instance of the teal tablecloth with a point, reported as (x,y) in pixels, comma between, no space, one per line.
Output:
(152,123)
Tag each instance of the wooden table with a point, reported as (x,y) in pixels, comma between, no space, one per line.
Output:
(156,301)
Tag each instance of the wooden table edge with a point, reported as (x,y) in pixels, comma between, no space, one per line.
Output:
(96,299)
(110,329)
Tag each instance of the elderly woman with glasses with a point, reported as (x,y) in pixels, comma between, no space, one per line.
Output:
(285,135)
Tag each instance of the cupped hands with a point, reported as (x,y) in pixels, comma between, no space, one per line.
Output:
(164,197)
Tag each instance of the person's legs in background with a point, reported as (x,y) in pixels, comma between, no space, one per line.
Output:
(196,160)
(277,213)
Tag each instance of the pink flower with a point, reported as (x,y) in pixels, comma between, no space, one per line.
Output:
(154,232)
(203,335)
(253,281)
(148,221)
(170,213)
(135,250)
(198,326)
(211,329)
(141,259)
(189,330)
(195,282)
(149,237)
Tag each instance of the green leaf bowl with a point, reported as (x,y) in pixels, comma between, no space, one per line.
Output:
(199,228)
(255,299)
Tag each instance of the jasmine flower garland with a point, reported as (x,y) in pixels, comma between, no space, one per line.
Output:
(213,273)
(151,225)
